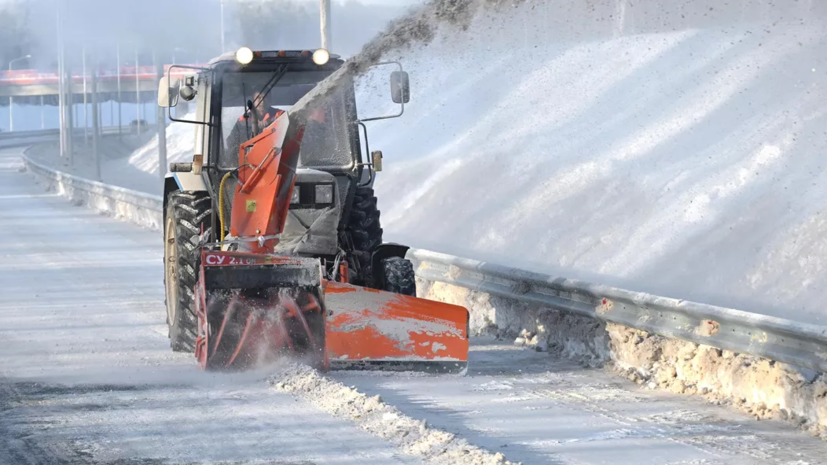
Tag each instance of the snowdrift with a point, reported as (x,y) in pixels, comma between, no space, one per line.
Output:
(180,145)
(677,150)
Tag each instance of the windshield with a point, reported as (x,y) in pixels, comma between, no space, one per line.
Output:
(326,141)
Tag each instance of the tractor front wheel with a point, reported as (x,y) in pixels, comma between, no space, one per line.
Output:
(187,213)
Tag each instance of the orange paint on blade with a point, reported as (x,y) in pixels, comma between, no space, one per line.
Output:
(368,324)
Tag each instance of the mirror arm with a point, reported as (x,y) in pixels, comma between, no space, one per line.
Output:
(376,118)
(369,165)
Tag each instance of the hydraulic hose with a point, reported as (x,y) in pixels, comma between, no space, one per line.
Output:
(221,203)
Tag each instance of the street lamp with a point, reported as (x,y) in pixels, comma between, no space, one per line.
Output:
(222,28)
(11,99)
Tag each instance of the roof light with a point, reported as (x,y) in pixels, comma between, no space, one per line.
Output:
(244,55)
(321,56)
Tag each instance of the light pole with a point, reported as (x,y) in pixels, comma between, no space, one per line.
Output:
(11,99)
(222,28)
(120,113)
(324,15)
(85,103)
(137,92)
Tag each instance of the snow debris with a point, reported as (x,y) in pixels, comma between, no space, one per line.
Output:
(760,387)
(373,415)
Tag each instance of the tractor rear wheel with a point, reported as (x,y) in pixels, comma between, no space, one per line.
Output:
(365,231)
(187,213)
(399,276)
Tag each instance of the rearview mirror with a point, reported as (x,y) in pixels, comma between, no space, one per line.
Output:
(400,87)
(168,92)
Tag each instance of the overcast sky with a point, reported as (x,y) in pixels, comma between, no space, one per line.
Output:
(192,26)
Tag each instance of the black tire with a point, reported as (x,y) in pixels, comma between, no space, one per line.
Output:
(187,213)
(399,276)
(365,231)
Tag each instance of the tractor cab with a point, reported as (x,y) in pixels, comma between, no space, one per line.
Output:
(238,95)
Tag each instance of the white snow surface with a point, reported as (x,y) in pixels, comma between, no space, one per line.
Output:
(680,152)
(670,149)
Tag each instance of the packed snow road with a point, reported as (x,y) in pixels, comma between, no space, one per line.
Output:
(86,376)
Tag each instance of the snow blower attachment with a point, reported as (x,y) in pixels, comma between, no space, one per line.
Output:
(287,260)
(252,309)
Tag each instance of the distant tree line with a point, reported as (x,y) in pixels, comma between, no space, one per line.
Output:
(16,38)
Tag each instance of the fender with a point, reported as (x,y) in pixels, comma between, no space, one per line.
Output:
(383,251)
(182,182)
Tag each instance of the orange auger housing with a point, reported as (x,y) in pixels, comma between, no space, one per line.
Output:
(254,305)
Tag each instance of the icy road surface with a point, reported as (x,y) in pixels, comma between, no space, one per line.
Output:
(86,376)
(86,373)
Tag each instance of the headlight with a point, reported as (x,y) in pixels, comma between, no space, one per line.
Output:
(294,198)
(244,55)
(321,56)
(324,193)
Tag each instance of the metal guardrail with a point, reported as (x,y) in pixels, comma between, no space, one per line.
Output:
(774,338)
(27,134)
(109,130)
(137,207)
(777,339)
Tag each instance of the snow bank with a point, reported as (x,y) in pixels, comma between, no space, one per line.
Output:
(670,149)
(760,387)
(180,146)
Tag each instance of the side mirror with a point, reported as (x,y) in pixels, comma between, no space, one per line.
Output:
(168,92)
(377,160)
(188,90)
(400,87)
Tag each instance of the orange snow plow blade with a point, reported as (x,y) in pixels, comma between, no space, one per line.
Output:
(372,329)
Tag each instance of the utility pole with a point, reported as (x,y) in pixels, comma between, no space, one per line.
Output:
(222,28)
(95,119)
(120,113)
(61,95)
(70,120)
(324,14)
(85,103)
(137,91)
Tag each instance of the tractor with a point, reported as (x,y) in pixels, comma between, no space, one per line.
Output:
(272,237)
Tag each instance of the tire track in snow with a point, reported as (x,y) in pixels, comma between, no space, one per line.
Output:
(372,414)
